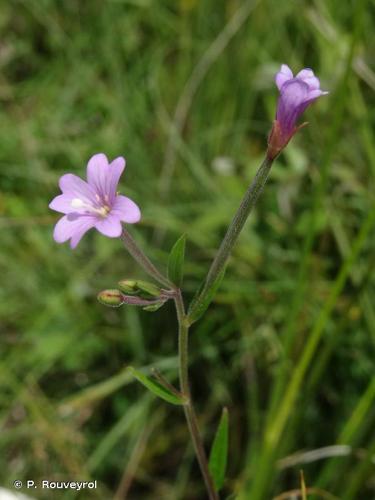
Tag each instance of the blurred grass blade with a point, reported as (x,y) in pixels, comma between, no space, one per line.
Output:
(219,452)
(176,261)
(303,486)
(157,388)
(203,299)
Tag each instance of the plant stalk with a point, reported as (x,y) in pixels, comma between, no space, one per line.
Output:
(238,222)
(143,260)
(191,418)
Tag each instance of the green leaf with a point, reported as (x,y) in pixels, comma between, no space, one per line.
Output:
(203,298)
(157,388)
(176,261)
(219,452)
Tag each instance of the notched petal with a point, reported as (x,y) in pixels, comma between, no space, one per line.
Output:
(61,203)
(126,210)
(116,168)
(283,76)
(109,226)
(72,226)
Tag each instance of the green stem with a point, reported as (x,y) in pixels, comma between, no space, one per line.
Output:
(143,260)
(235,227)
(185,389)
(191,418)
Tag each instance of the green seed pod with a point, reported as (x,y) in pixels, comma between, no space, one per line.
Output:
(128,286)
(112,298)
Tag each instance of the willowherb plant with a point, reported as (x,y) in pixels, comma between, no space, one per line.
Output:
(96,204)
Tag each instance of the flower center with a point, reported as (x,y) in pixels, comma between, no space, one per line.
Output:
(103,211)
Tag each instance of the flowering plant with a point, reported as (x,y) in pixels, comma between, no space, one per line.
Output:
(97,204)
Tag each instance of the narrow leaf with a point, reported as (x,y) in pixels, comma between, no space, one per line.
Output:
(156,387)
(219,452)
(203,299)
(176,261)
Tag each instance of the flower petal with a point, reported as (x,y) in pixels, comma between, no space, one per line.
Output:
(126,210)
(77,236)
(307,75)
(283,76)
(73,185)
(73,227)
(62,203)
(109,226)
(116,168)
(313,82)
(314,94)
(293,94)
(98,173)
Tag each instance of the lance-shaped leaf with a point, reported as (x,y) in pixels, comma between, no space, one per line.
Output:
(157,388)
(219,452)
(203,298)
(176,261)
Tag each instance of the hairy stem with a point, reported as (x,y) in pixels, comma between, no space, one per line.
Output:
(185,389)
(143,260)
(238,221)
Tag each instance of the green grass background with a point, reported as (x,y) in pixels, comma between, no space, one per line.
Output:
(184,90)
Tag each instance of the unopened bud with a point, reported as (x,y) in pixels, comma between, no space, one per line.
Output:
(112,298)
(148,289)
(128,286)
(142,289)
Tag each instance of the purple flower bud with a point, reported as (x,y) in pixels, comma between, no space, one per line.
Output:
(296,94)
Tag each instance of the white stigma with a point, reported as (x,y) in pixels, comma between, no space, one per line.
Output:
(78,203)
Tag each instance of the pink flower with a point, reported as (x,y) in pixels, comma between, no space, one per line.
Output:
(94,203)
(296,93)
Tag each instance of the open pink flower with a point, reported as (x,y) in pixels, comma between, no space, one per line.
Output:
(94,203)
(296,93)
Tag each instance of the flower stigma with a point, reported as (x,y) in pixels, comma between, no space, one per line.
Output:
(103,211)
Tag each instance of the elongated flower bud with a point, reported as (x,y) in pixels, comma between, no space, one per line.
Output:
(296,94)
(148,288)
(112,298)
(128,286)
(139,288)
